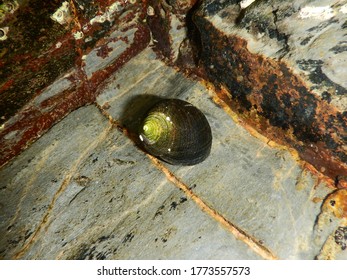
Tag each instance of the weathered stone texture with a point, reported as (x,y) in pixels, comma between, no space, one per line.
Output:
(253,54)
(242,177)
(80,45)
(86,189)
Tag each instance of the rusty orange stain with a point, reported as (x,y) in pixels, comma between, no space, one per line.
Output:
(273,100)
(336,203)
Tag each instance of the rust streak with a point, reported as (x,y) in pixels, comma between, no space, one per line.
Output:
(237,232)
(213,92)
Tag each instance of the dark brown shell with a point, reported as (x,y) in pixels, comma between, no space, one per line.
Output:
(176,132)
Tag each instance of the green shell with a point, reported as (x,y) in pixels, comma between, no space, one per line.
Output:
(176,132)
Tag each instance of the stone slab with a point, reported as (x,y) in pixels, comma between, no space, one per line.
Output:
(84,191)
(308,35)
(252,56)
(108,35)
(261,189)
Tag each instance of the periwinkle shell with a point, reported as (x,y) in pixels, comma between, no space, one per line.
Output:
(175,131)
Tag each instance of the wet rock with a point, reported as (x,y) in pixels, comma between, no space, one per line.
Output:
(255,186)
(171,23)
(55,58)
(274,63)
(84,191)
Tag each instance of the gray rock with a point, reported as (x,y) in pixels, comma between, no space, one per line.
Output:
(261,189)
(84,191)
(307,35)
(275,60)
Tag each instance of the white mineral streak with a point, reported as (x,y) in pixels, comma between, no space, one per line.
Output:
(245,3)
(62,15)
(324,12)
(344,9)
(109,13)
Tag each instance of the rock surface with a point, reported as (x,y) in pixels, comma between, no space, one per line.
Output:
(79,46)
(274,62)
(268,77)
(84,190)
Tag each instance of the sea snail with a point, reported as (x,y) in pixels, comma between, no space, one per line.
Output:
(175,131)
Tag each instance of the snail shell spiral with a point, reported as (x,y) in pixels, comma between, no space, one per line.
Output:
(176,132)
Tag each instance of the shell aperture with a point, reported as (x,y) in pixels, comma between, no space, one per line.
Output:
(176,132)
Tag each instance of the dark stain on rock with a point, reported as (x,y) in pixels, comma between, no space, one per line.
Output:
(9,227)
(92,251)
(28,233)
(303,119)
(33,33)
(341,237)
(101,256)
(317,75)
(83,180)
(103,238)
(103,51)
(173,205)
(85,252)
(128,238)
(341,47)
(323,25)
(123,162)
(326,96)
(272,108)
(223,64)
(159,211)
(306,40)
(289,113)
(183,199)
(25,86)
(160,27)
(15,241)
(41,70)
(213,7)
